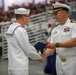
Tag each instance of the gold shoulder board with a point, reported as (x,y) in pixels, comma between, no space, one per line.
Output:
(73,21)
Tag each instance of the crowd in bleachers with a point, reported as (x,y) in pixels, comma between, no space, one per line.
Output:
(35,9)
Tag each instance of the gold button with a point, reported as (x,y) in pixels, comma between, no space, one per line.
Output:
(56,53)
(63,59)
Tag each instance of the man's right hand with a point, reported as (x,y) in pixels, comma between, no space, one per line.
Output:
(43,57)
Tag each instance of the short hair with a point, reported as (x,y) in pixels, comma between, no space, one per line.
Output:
(18,16)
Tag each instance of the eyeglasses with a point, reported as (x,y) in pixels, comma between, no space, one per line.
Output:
(26,15)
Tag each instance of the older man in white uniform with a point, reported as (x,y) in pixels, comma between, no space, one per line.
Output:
(19,48)
(63,38)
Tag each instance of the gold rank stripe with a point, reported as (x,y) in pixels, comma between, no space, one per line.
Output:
(55,10)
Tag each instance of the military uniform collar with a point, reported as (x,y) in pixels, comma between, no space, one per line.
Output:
(12,28)
(61,26)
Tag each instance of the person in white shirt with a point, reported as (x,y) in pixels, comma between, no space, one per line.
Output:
(19,48)
(63,39)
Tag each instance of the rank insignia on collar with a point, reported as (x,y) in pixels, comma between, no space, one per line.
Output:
(66,29)
(55,32)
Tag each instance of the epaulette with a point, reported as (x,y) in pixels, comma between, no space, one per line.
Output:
(73,21)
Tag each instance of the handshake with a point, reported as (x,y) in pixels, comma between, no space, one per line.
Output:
(43,57)
(41,46)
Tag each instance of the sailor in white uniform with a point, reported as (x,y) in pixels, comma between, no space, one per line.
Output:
(19,48)
(63,39)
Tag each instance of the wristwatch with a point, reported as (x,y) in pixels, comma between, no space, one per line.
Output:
(57,44)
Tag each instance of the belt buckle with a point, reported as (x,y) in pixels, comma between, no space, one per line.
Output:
(56,53)
(63,59)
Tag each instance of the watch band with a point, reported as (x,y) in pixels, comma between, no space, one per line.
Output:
(57,44)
